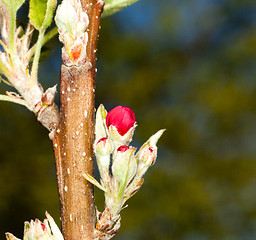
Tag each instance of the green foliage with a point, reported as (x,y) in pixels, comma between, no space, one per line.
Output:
(113,6)
(13,5)
(41,13)
(4,70)
(51,5)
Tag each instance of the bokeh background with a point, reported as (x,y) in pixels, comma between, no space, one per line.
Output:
(188,66)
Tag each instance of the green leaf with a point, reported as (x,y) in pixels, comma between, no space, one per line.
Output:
(5,81)
(4,70)
(124,167)
(51,5)
(13,5)
(41,13)
(92,180)
(37,10)
(113,6)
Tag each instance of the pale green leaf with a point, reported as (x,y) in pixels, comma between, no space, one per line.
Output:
(37,10)
(152,141)
(124,166)
(14,100)
(51,5)
(5,81)
(113,6)
(4,70)
(13,5)
(92,180)
(100,126)
(41,13)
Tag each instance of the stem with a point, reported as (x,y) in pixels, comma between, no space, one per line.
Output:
(118,203)
(39,44)
(47,37)
(12,34)
(74,137)
(53,32)
(77,137)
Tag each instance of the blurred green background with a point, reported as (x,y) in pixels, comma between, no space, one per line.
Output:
(188,66)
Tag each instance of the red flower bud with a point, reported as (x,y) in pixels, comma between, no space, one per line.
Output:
(122,148)
(104,146)
(148,156)
(151,150)
(123,118)
(43,226)
(151,156)
(104,140)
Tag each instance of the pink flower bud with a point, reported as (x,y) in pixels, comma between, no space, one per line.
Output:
(122,118)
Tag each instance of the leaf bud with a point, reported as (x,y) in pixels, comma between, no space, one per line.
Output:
(72,23)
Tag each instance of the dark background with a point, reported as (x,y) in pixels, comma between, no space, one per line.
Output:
(188,66)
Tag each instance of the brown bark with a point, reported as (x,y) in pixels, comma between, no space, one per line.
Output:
(74,137)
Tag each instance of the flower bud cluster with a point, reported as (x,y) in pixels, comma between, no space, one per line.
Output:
(121,168)
(36,230)
(72,23)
